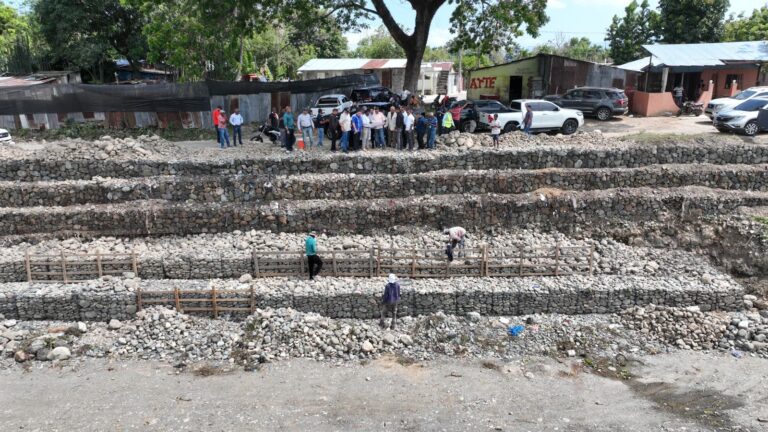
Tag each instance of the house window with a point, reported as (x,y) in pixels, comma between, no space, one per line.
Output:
(320,75)
(730,78)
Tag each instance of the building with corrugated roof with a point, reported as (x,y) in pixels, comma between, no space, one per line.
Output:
(705,71)
(389,72)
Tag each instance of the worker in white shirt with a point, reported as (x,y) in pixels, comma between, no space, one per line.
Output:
(236,120)
(366,129)
(307,128)
(408,122)
(456,236)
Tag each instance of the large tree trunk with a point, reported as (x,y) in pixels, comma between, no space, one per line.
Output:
(415,43)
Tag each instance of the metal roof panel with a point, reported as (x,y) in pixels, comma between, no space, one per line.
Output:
(708,54)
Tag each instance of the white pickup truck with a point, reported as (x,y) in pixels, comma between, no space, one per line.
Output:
(546,116)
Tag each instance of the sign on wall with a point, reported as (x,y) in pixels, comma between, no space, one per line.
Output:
(484,82)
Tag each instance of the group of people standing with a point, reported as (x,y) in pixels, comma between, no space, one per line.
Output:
(401,128)
(221,123)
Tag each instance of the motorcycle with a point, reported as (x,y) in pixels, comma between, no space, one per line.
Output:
(689,108)
(268,131)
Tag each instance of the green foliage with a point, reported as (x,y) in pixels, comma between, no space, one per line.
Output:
(626,36)
(691,21)
(379,45)
(577,48)
(752,28)
(85,34)
(492,26)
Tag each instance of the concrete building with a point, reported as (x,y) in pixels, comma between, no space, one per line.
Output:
(705,71)
(543,74)
(389,72)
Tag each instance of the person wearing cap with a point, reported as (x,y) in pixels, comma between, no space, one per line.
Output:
(314,262)
(223,132)
(216,113)
(456,236)
(389,301)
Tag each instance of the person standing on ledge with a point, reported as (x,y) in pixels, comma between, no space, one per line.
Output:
(314,262)
(389,301)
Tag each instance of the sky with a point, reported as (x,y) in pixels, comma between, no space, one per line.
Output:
(572,18)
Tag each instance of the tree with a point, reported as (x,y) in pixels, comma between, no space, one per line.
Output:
(741,28)
(577,48)
(379,45)
(485,25)
(691,21)
(7,17)
(88,33)
(627,35)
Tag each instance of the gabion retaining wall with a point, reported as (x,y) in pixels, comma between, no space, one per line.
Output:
(625,155)
(549,209)
(308,187)
(344,298)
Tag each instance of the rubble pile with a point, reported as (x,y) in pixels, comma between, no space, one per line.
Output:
(106,147)
(685,328)
(162,333)
(517,139)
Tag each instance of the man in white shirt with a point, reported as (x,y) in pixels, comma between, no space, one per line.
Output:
(392,132)
(366,129)
(456,236)
(408,123)
(379,122)
(307,127)
(345,123)
(236,120)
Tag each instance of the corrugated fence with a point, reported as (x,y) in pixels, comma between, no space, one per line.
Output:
(163,105)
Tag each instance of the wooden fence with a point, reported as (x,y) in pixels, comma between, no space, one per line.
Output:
(213,300)
(68,267)
(432,263)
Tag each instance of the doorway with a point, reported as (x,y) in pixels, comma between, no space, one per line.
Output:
(515,87)
(386,78)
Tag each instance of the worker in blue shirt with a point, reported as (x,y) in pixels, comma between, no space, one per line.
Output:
(314,262)
(389,300)
(431,130)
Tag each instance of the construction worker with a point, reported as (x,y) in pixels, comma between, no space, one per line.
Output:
(456,236)
(448,124)
(389,301)
(314,262)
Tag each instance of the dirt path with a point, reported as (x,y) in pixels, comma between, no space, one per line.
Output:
(540,394)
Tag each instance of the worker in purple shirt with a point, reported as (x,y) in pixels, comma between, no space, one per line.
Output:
(389,300)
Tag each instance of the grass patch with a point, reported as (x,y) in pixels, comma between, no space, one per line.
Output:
(487,364)
(762,220)
(207,370)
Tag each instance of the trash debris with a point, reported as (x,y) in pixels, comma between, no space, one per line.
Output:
(736,353)
(515,330)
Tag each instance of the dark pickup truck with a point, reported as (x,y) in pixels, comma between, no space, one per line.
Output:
(602,103)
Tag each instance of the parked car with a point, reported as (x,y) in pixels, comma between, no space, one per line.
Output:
(743,118)
(5,137)
(330,102)
(547,117)
(468,115)
(372,96)
(602,103)
(716,105)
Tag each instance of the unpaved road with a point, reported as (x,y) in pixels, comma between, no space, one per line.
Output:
(681,391)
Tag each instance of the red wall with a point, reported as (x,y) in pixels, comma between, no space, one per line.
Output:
(749,79)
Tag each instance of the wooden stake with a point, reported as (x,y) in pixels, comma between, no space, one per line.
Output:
(64,267)
(138,299)
(29,266)
(253,300)
(98,263)
(135,264)
(557,258)
(255,264)
(213,303)
(177,299)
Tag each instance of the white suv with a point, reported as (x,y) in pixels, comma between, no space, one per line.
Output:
(741,118)
(546,117)
(716,105)
(5,137)
(328,102)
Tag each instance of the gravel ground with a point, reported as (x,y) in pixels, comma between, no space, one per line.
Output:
(670,392)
